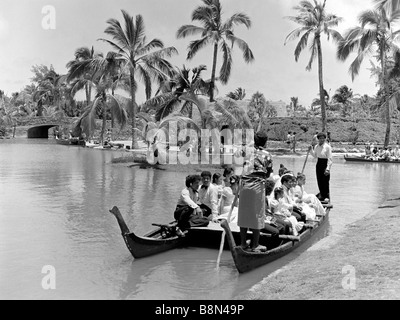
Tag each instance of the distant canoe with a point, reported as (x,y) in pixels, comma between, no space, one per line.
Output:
(362,159)
(71,142)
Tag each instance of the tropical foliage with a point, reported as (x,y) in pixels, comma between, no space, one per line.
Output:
(142,61)
(238,94)
(259,109)
(376,33)
(220,35)
(314,21)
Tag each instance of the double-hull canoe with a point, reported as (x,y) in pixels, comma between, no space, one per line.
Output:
(247,260)
(362,159)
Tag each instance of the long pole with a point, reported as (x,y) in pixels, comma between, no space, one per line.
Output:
(221,247)
(308,152)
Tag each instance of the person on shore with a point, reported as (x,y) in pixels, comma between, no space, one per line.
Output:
(294,142)
(323,152)
(289,138)
(188,213)
(208,197)
(368,150)
(315,139)
(396,152)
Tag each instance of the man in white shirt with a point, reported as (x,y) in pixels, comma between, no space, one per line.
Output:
(208,197)
(323,152)
(187,210)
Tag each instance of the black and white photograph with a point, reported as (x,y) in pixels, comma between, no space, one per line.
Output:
(202,155)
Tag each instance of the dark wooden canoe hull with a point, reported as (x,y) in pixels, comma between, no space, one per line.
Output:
(246,261)
(151,244)
(360,159)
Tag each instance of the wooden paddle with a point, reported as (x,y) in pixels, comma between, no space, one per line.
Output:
(221,247)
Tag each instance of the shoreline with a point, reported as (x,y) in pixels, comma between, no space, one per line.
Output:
(345,269)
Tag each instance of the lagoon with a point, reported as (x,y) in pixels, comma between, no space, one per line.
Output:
(54,203)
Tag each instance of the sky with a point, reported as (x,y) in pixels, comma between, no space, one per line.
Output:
(34,32)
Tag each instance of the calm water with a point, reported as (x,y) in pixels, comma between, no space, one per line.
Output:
(54,203)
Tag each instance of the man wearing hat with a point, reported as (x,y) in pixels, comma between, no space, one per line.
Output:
(323,152)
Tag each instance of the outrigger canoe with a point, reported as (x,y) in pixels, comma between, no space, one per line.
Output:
(363,159)
(164,238)
(246,260)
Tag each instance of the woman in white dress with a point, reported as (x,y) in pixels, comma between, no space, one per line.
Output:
(307,199)
(227,198)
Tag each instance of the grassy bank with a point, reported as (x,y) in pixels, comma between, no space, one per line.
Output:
(361,265)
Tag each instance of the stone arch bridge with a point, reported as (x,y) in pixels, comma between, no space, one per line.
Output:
(38,127)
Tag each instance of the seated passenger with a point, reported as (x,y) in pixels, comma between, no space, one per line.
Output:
(282,210)
(188,213)
(227,198)
(217,181)
(208,197)
(306,198)
(288,183)
(274,225)
(228,172)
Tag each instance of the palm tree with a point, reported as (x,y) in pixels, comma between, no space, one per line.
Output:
(168,99)
(375,34)
(343,96)
(258,107)
(218,33)
(50,90)
(139,62)
(389,5)
(294,101)
(238,94)
(102,72)
(80,68)
(314,21)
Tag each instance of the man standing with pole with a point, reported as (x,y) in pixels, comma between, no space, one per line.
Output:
(323,152)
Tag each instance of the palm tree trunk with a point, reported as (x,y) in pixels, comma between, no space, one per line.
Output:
(112,118)
(321,84)
(39,108)
(135,144)
(387,111)
(88,94)
(214,67)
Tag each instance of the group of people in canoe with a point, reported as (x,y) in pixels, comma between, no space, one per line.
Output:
(257,200)
(388,153)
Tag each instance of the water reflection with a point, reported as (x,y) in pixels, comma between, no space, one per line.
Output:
(54,203)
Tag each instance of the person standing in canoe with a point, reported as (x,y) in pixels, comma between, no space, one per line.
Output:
(323,152)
